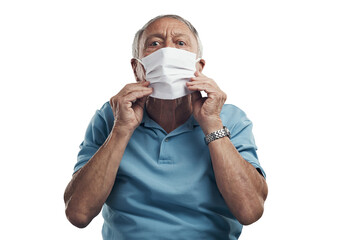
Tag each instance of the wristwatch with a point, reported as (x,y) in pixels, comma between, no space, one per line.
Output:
(224,132)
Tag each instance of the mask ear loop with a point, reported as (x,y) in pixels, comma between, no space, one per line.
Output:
(140,61)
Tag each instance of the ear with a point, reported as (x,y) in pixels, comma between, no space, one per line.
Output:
(138,70)
(201,65)
(134,64)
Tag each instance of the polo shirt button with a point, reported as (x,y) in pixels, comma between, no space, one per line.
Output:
(166,139)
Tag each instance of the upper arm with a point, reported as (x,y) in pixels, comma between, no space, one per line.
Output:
(242,137)
(95,135)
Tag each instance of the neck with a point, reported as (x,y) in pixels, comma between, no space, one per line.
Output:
(169,114)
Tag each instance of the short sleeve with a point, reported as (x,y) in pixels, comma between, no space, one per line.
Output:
(95,135)
(241,129)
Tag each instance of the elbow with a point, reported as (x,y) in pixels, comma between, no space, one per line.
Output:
(252,211)
(250,216)
(76,218)
(73,210)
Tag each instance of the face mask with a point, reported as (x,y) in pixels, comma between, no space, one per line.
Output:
(168,70)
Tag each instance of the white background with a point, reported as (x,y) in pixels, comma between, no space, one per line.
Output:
(61,60)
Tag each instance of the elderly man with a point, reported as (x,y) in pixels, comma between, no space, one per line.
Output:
(163,161)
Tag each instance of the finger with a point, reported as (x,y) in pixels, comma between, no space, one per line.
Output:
(212,93)
(195,96)
(140,103)
(133,87)
(133,96)
(137,85)
(197,100)
(202,86)
(144,83)
(201,78)
(199,74)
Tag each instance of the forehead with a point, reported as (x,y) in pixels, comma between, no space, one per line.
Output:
(164,24)
(167,26)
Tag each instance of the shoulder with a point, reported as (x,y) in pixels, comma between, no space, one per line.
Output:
(103,118)
(233,114)
(105,111)
(234,118)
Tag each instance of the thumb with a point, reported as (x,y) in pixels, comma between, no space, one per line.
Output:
(140,102)
(195,96)
(138,108)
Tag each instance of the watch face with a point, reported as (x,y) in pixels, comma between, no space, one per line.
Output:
(227,132)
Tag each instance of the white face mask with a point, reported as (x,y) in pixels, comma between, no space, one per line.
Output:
(168,70)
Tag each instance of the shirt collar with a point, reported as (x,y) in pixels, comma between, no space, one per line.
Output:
(188,125)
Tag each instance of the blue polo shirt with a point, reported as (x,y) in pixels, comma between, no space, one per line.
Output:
(165,186)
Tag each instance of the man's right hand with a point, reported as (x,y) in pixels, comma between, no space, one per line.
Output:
(90,187)
(128,105)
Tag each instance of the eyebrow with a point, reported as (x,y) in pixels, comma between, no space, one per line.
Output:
(161,36)
(158,35)
(182,35)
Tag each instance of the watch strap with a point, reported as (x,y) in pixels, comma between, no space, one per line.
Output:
(224,132)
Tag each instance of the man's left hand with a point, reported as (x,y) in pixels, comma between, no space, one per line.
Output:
(206,110)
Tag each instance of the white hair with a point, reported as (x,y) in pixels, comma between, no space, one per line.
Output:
(138,35)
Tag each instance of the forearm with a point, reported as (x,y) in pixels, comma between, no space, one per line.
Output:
(92,184)
(241,185)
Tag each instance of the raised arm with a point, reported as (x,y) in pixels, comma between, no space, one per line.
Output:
(243,188)
(91,185)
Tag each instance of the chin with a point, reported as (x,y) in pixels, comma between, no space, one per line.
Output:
(177,100)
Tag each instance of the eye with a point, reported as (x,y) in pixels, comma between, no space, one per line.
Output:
(181,43)
(155,43)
